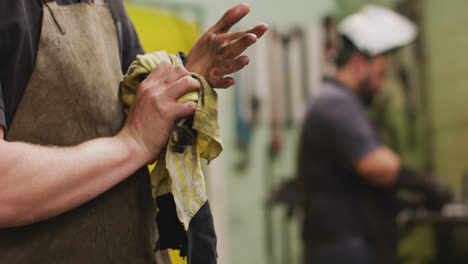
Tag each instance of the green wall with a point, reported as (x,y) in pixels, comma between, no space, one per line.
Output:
(346,7)
(446,42)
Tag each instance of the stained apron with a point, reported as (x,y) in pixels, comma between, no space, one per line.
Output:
(71,97)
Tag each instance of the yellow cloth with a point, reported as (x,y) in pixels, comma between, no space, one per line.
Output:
(178,169)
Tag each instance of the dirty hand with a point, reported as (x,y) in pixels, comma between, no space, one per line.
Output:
(216,53)
(434,192)
(154,111)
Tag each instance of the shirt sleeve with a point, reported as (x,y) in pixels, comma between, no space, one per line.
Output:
(2,109)
(20,27)
(349,130)
(131,45)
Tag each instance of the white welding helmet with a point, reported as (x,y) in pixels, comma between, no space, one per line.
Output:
(376,30)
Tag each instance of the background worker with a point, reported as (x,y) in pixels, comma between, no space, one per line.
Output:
(350,177)
(74,187)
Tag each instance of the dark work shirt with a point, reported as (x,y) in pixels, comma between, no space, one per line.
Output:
(2,108)
(336,134)
(20,28)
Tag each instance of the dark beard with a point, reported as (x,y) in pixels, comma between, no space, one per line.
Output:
(365,93)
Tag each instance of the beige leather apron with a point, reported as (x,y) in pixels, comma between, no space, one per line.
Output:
(72,96)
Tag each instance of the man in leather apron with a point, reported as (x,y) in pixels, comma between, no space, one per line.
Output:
(349,177)
(74,187)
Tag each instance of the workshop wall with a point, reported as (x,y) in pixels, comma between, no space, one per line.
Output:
(447,60)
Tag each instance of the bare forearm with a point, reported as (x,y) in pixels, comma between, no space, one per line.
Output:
(41,182)
(379,167)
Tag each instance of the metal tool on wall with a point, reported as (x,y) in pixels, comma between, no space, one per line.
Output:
(291,39)
(278,106)
(243,129)
(248,102)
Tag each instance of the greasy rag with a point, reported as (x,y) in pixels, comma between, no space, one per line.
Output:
(178,169)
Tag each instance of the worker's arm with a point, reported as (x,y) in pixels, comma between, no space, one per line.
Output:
(39,182)
(379,167)
(383,168)
(216,53)
(353,140)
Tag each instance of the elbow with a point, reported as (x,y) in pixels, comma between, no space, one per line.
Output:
(379,167)
(8,216)
(382,177)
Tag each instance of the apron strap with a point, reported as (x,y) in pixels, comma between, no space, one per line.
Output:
(53,15)
(118,24)
(114,9)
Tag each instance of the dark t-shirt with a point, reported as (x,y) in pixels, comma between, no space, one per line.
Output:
(20,28)
(2,109)
(335,135)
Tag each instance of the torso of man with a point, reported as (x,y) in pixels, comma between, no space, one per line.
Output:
(72,96)
(336,133)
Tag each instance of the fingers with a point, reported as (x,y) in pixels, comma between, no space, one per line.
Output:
(175,74)
(236,47)
(240,41)
(174,82)
(230,18)
(258,31)
(225,83)
(165,74)
(163,68)
(231,66)
(182,86)
(184,109)
(236,65)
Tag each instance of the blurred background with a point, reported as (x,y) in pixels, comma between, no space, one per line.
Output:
(422,115)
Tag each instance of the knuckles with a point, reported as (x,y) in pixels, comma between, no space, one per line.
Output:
(159,106)
(215,72)
(145,89)
(248,38)
(190,82)
(164,66)
(220,56)
(219,41)
(181,71)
